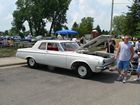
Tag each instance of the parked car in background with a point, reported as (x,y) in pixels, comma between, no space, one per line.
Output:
(69,55)
(6,41)
(16,38)
(37,38)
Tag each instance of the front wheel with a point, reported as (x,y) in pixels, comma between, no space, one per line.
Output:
(31,63)
(84,71)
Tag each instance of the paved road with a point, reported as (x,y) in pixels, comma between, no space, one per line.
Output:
(25,86)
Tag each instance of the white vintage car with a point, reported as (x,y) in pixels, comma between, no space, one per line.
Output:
(68,54)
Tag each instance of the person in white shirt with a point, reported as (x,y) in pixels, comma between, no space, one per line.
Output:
(59,37)
(74,39)
(124,55)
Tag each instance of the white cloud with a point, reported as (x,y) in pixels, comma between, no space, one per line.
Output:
(6,9)
(108,2)
(104,2)
(1,9)
(78,10)
(8,17)
(100,10)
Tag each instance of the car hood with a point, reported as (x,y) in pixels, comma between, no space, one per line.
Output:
(95,44)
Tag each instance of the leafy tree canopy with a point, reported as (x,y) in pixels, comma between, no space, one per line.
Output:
(38,13)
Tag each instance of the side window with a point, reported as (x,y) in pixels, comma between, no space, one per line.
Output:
(42,46)
(52,47)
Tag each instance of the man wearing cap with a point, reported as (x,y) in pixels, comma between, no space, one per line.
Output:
(124,55)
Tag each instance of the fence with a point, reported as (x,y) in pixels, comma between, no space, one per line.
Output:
(17,44)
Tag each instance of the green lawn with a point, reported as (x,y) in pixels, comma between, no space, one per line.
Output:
(7,51)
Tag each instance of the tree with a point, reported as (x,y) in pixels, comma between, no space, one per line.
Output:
(75,26)
(57,15)
(6,32)
(120,25)
(35,11)
(129,23)
(133,19)
(65,27)
(13,31)
(98,29)
(18,20)
(105,32)
(86,25)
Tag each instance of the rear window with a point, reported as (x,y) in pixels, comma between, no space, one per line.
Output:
(42,46)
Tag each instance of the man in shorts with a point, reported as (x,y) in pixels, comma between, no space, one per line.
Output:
(124,55)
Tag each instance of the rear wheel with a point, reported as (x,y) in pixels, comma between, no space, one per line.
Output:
(84,71)
(31,63)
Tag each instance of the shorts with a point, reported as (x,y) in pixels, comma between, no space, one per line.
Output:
(123,65)
(138,69)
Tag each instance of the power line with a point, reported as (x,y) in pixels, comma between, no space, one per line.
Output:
(132,1)
(121,3)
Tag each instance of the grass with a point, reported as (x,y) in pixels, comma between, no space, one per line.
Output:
(7,51)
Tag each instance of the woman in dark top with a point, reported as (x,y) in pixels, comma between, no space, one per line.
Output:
(110,45)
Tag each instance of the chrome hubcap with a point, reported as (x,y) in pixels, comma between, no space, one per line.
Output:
(82,71)
(31,62)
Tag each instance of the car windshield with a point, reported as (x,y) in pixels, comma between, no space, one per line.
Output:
(69,46)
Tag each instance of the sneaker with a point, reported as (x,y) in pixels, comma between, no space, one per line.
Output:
(120,78)
(110,69)
(124,80)
(137,79)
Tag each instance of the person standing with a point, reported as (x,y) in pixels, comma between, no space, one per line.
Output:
(59,37)
(138,68)
(137,45)
(124,55)
(74,39)
(110,46)
(82,40)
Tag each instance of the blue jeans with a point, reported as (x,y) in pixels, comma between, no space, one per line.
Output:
(138,69)
(123,65)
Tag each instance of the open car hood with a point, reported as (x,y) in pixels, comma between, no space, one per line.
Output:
(95,44)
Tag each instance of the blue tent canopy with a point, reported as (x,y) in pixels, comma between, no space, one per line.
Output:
(66,32)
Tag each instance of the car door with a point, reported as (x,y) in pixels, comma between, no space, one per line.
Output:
(40,53)
(55,56)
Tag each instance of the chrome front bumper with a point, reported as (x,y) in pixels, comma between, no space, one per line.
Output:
(102,68)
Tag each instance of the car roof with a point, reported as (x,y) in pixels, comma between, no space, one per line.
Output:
(56,41)
(37,44)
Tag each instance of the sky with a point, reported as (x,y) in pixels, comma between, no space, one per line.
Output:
(100,10)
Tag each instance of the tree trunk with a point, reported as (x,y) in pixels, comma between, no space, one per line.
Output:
(52,25)
(30,27)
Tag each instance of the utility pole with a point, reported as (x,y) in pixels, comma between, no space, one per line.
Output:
(111,22)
